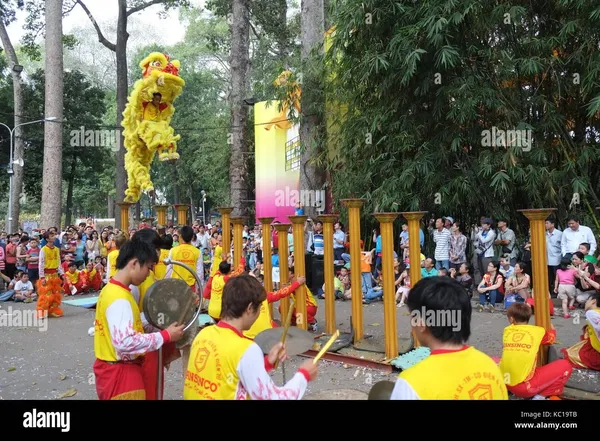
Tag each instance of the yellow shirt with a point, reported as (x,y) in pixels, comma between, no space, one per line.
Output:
(218,258)
(160,269)
(464,374)
(188,254)
(262,322)
(103,347)
(112,257)
(310,298)
(73,276)
(143,288)
(521,344)
(216,296)
(51,257)
(212,368)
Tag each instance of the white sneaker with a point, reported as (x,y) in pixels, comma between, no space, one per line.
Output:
(539,397)
(91,331)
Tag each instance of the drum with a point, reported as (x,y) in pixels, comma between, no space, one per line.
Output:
(337,394)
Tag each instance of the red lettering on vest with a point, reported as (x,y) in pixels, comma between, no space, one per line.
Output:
(517,345)
(201,381)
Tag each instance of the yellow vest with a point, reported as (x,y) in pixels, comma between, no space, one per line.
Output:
(262,323)
(212,368)
(217,259)
(466,374)
(189,255)
(216,296)
(143,288)
(160,269)
(73,277)
(310,298)
(51,257)
(593,336)
(112,257)
(103,347)
(521,344)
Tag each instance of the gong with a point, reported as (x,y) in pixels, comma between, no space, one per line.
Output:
(382,390)
(297,341)
(168,301)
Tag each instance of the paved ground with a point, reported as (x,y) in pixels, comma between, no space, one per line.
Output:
(58,360)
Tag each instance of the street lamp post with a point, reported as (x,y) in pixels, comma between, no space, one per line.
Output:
(11,162)
(203,212)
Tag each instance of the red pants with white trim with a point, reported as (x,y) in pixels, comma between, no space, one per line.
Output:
(311,312)
(531,303)
(547,380)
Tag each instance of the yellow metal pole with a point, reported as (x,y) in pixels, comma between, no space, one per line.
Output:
(238,232)
(226,228)
(266,253)
(282,231)
(354,206)
(182,212)
(386,221)
(328,220)
(300,268)
(125,215)
(161,214)
(414,251)
(539,262)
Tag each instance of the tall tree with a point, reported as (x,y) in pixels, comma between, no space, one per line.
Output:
(240,64)
(312,173)
(7,16)
(52,174)
(119,47)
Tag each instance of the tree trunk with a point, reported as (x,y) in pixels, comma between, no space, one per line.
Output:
(19,111)
(52,173)
(176,193)
(239,62)
(111,207)
(312,176)
(122,89)
(71,184)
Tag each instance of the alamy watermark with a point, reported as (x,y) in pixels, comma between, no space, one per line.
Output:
(289,197)
(95,138)
(507,138)
(22,318)
(436,318)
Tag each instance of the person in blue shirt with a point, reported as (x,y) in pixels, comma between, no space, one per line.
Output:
(275,270)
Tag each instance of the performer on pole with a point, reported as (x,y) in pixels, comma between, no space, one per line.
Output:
(521,344)
(454,370)
(119,339)
(49,285)
(225,365)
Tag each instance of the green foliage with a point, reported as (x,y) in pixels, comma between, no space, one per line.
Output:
(423,80)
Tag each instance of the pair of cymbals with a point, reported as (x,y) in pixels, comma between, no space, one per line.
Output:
(297,340)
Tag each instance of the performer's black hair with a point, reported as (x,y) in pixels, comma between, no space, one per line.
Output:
(136,249)
(167,242)
(224,267)
(149,236)
(187,233)
(239,292)
(448,301)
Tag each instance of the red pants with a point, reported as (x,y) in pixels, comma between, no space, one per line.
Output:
(583,355)
(546,381)
(78,286)
(150,369)
(95,283)
(311,312)
(119,381)
(530,302)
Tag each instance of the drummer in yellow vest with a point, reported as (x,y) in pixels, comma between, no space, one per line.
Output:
(454,370)
(225,365)
(586,353)
(521,343)
(264,320)
(160,269)
(111,258)
(120,342)
(188,254)
(217,283)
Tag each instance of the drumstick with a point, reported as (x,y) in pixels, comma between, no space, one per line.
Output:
(286,327)
(327,346)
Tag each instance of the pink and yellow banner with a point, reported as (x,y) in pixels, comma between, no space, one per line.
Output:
(276,187)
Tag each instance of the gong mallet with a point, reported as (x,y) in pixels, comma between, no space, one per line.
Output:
(331,341)
(286,327)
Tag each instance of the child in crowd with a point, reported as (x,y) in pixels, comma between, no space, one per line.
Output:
(24,289)
(32,260)
(73,282)
(463,277)
(564,286)
(521,342)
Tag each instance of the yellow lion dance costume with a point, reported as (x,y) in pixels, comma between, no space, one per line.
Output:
(146,122)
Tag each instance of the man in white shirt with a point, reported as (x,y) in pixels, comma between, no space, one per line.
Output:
(441,237)
(575,235)
(553,250)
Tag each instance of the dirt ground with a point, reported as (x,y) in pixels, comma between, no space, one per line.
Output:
(56,363)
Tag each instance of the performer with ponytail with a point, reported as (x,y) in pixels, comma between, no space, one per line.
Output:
(49,285)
